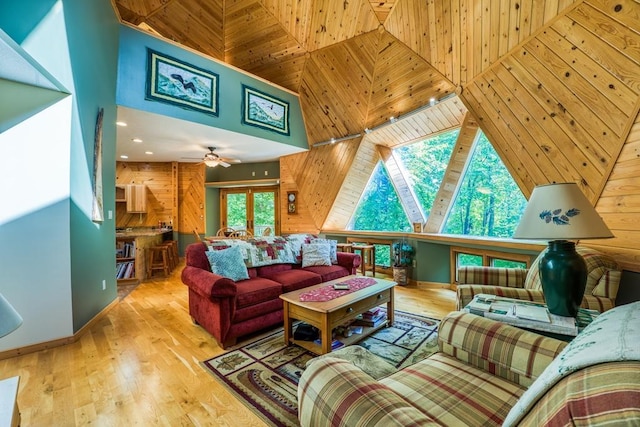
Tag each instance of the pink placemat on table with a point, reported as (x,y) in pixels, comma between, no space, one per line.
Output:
(327,293)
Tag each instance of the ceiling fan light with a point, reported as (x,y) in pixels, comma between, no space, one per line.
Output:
(211,163)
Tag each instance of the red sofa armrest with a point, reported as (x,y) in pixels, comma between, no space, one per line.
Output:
(208,284)
(350,261)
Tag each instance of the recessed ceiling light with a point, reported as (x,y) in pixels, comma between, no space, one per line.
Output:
(136,140)
(124,157)
(121,124)
(148,152)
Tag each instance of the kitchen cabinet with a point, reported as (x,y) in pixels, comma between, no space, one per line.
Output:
(136,198)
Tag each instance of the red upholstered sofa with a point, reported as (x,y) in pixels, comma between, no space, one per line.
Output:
(228,309)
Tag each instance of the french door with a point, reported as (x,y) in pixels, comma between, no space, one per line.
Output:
(254,209)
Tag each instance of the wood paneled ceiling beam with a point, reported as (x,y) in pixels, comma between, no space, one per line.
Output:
(398,177)
(453,175)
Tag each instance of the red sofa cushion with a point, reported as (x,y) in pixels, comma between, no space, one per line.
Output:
(329,272)
(295,279)
(268,270)
(256,290)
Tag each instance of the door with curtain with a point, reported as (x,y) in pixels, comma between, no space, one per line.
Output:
(254,209)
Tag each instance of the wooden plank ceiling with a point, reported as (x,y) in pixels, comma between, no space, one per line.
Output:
(354,63)
(554,84)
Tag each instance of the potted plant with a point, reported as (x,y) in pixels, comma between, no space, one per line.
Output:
(402,260)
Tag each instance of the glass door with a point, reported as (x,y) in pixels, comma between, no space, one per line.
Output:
(252,209)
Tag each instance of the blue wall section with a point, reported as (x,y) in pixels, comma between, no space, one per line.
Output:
(132,75)
(92,33)
(54,258)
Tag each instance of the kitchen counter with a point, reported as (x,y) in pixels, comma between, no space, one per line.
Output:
(143,232)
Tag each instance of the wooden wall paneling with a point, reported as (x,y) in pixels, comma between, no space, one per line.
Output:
(453,71)
(301,222)
(619,204)
(453,175)
(403,82)
(409,23)
(257,42)
(596,33)
(462,66)
(398,178)
(191,198)
(335,88)
(294,16)
(175,183)
(196,25)
(560,127)
(333,22)
(157,177)
(490,122)
(557,146)
(382,9)
(575,93)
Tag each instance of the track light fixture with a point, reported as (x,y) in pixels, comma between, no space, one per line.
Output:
(392,120)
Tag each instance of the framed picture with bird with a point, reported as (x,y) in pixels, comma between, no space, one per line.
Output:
(175,82)
(263,110)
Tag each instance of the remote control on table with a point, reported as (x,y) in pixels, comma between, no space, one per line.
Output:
(341,286)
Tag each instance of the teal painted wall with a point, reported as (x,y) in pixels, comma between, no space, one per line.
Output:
(93,36)
(132,76)
(52,257)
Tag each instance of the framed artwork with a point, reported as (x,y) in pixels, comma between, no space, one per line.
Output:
(265,111)
(175,82)
(97,211)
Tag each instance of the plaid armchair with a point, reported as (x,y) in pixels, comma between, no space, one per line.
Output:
(603,280)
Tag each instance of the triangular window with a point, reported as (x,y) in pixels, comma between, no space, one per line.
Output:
(379,208)
(488,202)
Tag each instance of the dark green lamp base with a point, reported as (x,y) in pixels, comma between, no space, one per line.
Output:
(563,273)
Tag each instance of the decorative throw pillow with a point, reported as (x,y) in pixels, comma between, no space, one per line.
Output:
(228,263)
(316,254)
(608,284)
(333,248)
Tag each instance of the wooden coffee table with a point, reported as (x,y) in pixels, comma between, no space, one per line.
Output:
(326,315)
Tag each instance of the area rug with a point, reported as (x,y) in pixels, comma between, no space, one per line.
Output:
(264,373)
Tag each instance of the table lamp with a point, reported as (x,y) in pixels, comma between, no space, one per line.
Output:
(560,213)
(10,320)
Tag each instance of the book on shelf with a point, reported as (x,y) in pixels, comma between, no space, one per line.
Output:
(373,322)
(370,314)
(335,344)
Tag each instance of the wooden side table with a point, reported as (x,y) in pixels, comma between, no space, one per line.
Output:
(9,413)
(366,251)
(344,247)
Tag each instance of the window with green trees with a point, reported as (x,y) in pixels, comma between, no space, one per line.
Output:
(488,203)
(379,208)
(425,163)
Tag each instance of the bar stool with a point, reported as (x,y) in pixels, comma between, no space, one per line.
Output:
(158,259)
(366,251)
(172,247)
(344,247)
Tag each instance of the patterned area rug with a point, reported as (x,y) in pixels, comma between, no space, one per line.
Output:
(264,374)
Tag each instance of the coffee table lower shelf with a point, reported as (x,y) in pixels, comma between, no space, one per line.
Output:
(317,349)
(328,315)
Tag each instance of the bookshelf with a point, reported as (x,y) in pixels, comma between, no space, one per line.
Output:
(126,251)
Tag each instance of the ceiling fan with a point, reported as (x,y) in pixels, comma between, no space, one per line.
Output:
(212,159)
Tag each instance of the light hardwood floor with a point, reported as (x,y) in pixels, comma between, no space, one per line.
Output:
(140,365)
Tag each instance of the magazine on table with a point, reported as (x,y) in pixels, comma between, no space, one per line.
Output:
(525,314)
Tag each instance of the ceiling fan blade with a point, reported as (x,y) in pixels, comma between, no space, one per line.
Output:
(223,164)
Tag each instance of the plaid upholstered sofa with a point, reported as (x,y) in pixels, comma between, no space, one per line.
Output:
(489,374)
(603,280)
